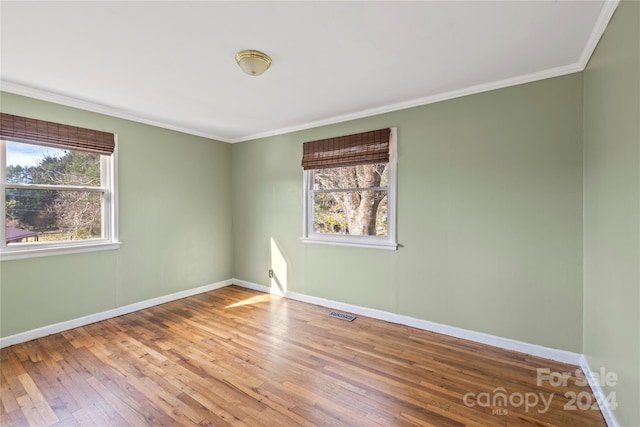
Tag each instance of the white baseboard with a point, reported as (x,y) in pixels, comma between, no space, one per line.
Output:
(506,343)
(496,341)
(92,318)
(598,393)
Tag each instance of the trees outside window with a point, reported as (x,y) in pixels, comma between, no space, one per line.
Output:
(56,194)
(352,203)
(58,183)
(351,200)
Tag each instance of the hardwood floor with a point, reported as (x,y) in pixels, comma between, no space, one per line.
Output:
(239,357)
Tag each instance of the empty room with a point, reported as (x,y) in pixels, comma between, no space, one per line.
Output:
(300,213)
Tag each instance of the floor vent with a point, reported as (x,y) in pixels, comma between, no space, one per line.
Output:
(342,316)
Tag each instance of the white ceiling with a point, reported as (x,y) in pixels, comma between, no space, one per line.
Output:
(171,63)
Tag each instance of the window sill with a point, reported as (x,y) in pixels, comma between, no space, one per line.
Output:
(37,252)
(345,242)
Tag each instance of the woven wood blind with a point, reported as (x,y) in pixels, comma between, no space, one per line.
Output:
(357,149)
(32,131)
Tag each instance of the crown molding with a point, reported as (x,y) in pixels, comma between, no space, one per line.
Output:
(56,98)
(601,25)
(606,13)
(472,90)
(445,96)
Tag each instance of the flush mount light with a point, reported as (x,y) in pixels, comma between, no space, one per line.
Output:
(253,62)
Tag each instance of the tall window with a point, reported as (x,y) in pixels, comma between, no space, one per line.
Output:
(349,185)
(58,183)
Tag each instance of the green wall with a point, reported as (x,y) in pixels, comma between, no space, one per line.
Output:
(612,209)
(492,190)
(175,226)
(489,216)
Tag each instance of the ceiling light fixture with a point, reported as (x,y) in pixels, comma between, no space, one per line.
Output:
(253,62)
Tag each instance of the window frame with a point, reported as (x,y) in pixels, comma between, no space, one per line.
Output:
(109,212)
(388,242)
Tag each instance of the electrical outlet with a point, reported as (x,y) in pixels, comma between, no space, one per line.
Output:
(271,273)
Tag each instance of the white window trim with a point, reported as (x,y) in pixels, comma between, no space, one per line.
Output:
(376,242)
(109,178)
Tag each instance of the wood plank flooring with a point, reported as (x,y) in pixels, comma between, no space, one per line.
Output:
(238,357)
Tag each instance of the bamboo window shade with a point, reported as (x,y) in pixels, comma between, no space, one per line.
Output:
(33,131)
(357,149)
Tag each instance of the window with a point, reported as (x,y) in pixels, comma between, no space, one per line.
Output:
(349,186)
(58,183)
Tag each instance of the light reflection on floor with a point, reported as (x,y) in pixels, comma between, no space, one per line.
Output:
(253,300)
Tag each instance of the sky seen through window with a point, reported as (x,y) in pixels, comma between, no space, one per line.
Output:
(28,154)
